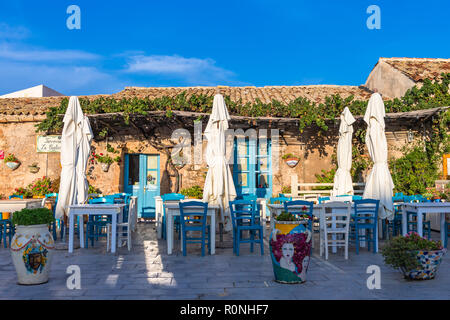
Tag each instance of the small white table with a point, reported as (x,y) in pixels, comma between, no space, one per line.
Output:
(425,207)
(173,209)
(112,210)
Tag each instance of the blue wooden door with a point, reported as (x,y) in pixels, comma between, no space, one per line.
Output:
(142,179)
(252,169)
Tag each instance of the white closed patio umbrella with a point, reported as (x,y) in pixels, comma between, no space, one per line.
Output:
(219,186)
(75,149)
(343,179)
(379,184)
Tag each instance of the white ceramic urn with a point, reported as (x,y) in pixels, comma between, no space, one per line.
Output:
(32,250)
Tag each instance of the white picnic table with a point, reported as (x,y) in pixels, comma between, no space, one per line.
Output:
(114,210)
(429,208)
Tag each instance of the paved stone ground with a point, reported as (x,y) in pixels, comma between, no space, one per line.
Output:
(147,272)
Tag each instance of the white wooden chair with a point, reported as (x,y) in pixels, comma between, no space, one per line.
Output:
(334,221)
(124,229)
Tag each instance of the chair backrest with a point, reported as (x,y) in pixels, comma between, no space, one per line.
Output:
(50,195)
(243,211)
(190,211)
(366,210)
(248,196)
(279,200)
(124,196)
(15,196)
(409,199)
(102,200)
(356,198)
(132,213)
(336,213)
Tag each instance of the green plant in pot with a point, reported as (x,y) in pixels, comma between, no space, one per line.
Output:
(32,245)
(416,257)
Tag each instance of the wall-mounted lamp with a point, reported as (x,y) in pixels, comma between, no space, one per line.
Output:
(410,136)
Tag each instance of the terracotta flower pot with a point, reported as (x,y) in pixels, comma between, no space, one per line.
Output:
(31,251)
(290,249)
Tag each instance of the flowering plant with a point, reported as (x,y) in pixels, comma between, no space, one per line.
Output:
(25,192)
(101,158)
(41,187)
(401,251)
(11,158)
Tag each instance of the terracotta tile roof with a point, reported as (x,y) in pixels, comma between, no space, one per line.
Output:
(284,94)
(419,69)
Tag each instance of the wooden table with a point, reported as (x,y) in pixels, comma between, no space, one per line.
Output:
(173,209)
(425,207)
(14,205)
(113,210)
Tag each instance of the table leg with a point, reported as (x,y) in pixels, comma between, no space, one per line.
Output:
(420,222)
(169,231)
(333,236)
(443,228)
(71,227)
(213,232)
(404,221)
(114,233)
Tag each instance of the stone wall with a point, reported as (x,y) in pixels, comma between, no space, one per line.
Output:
(20,138)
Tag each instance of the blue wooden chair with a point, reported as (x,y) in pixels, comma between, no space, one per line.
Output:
(244,217)
(16,196)
(301,207)
(97,223)
(195,222)
(356,198)
(365,218)
(171,197)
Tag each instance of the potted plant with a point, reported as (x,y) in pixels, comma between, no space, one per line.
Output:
(41,187)
(105,161)
(290,248)
(32,245)
(291,160)
(25,192)
(416,257)
(34,168)
(12,162)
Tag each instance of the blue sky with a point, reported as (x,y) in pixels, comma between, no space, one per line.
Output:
(190,43)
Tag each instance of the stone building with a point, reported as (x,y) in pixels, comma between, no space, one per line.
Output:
(144,144)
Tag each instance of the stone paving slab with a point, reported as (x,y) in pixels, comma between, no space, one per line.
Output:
(147,272)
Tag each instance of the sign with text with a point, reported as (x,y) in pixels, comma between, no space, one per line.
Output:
(48,144)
